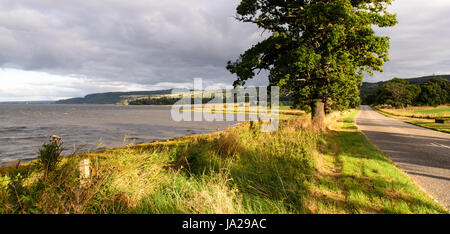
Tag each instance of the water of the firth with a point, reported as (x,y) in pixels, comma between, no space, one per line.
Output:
(24,128)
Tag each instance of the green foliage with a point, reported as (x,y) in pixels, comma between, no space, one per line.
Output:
(317,49)
(16,195)
(400,93)
(434,92)
(369,90)
(50,154)
(154,101)
(162,101)
(397,93)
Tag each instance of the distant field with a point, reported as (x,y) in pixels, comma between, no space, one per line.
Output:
(443,111)
(426,112)
(421,116)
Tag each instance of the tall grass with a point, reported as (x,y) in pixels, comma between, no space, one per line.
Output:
(240,170)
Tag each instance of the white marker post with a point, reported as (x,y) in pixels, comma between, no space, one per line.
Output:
(85,172)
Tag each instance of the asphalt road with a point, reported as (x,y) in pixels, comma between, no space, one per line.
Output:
(422,153)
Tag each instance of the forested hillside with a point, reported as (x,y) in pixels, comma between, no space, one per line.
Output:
(369,90)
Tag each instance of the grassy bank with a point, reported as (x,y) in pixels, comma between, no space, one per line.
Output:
(354,177)
(297,169)
(420,116)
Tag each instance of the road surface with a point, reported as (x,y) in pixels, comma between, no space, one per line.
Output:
(422,153)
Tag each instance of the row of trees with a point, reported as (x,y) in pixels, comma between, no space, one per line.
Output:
(162,101)
(400,93)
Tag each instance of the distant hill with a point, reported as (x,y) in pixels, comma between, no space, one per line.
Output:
(425,78)
(368,88)
(111,97)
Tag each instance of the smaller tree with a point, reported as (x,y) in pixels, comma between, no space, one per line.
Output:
(50,154)
(397,93)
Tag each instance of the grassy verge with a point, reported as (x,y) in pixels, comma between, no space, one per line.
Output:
(297,169)
(430,124)
(427,122)
(354,177)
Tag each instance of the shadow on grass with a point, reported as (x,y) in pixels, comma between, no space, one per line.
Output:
(352,144)
(365,188)
(264,176)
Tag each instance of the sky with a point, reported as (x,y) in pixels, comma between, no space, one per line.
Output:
(56,49)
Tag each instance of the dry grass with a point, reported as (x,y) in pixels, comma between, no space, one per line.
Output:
(228,143)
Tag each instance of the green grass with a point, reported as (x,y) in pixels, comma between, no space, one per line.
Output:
(431,125)
(419,112)
(239,171)
(433,111)
(297,169)
(285,107)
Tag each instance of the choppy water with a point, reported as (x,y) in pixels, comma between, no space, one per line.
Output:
(24,128)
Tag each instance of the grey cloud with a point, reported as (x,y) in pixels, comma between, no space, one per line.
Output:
(419,43)
(162,43)
(145,42)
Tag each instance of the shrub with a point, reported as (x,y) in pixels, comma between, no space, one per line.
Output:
(50,154)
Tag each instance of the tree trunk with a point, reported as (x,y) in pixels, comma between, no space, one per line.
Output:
(328,106)
(318,113)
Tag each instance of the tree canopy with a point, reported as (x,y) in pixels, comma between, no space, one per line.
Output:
(397,93)
(318,50)
(434,92)
(400,93)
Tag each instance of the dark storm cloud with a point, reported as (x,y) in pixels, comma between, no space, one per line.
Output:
(144,42)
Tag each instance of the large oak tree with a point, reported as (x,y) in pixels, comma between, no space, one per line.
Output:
(318,50)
